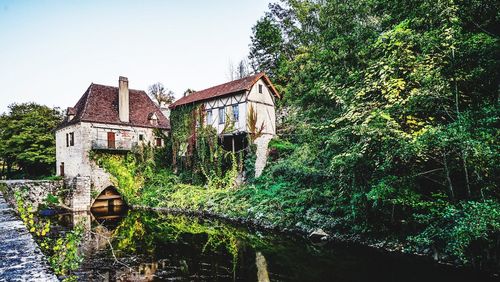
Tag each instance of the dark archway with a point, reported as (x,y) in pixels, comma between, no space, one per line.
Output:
(109,198)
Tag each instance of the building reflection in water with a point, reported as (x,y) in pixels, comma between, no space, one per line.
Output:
(101,224)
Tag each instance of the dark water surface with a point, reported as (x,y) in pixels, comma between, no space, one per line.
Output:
(150,246)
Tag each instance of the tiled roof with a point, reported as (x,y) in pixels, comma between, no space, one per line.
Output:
(100,104)
(228,88)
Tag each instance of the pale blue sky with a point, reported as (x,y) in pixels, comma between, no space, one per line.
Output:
(50,51)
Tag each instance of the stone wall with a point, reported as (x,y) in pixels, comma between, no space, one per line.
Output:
(37,190)
(74,193)
(77,195)
(261,153)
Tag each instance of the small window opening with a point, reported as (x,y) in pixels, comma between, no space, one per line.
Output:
(209,117)
(260,88)
(222,116)
(236,113)
(158,142)
(141,137)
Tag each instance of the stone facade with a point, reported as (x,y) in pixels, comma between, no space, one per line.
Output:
(76,158)
(37,190)
(78,196)
(88,136)
(74,193)
(106,119)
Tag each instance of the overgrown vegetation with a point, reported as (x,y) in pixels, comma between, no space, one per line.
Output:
(388,129)
(391,126)
(62,251)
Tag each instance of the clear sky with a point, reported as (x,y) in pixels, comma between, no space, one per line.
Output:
(50,51)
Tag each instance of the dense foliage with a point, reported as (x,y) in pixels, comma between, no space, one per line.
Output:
(393,116)
(388,128)
(27,146)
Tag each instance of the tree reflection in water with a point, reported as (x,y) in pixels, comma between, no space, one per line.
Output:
(146,246)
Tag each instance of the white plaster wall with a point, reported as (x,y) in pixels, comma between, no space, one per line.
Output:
(227,103)
(263,104)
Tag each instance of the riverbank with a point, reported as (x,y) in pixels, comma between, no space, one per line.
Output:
(290,197)
(20,257)
(319,236)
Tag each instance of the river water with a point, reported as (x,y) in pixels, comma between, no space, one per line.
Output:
(149,246)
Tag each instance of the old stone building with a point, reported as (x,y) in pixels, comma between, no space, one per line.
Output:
(237,100)
(110,119)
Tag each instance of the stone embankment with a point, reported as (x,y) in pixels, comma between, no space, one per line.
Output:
(20,257)
(36,190)
(73,194)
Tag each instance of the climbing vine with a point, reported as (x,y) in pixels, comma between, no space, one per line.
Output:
(125,171)
(62,251)
(198,156)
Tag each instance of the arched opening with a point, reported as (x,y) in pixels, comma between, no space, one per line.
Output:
(109,200)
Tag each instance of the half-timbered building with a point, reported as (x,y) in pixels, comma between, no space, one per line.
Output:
(232,106)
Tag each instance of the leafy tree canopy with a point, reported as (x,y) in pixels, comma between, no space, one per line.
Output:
(28,142)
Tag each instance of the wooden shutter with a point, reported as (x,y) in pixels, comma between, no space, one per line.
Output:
(111,140)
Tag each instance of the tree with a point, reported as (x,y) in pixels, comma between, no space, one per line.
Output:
(188,92)
(241,70)
(28,142)
(160,94)
(395,103)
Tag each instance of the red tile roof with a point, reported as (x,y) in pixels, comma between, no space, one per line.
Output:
(228,88)
(100,104)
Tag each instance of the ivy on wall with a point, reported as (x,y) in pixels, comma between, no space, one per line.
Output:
(197,155)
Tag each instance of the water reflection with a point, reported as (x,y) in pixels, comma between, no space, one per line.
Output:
(122,245)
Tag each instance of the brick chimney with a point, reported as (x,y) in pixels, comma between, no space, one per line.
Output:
(123,99)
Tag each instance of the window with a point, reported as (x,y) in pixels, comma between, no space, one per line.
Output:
(260,88)
(209,117)
(236,113)
(158,142)
(70,139)
(141,137)
(222,116)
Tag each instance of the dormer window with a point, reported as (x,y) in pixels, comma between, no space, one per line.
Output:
(153,119)
(70,113)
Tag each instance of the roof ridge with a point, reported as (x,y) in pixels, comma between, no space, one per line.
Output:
(138,90)
(89,90)
(233,81)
